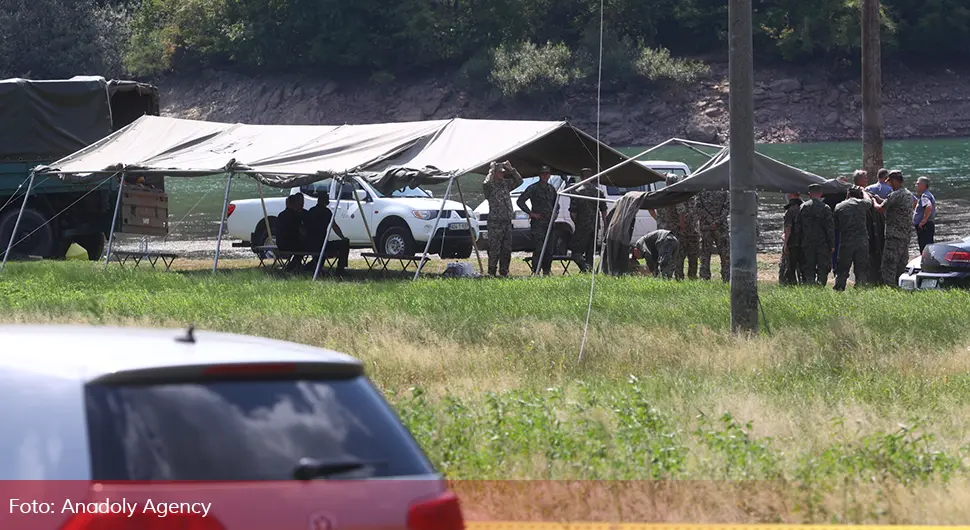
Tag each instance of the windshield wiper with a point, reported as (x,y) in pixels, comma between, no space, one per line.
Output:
(311,468)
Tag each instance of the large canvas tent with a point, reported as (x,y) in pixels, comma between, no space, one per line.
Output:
(389,155)
(770,175)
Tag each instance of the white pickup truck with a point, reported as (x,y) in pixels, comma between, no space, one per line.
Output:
(400,224)
(563,228)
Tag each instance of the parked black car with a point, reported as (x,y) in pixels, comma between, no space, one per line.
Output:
(942,265)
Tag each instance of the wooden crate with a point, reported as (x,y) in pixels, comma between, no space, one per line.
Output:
(144,212)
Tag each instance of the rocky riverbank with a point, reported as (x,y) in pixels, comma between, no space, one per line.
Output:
(791,105)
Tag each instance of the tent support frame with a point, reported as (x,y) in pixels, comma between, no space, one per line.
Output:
(262,201)
(16,225)
(333,219)
(114,219)
(690,144)
(437,221)
(222,222)
(363,217)
(478,255)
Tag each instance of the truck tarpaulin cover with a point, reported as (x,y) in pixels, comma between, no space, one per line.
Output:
(770,175)
(49,119)
(389,155)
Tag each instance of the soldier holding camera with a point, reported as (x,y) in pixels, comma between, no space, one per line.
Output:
(501,180)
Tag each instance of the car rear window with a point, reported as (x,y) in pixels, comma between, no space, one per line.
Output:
(245,430)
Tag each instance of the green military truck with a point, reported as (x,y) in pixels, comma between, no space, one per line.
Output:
(41,122)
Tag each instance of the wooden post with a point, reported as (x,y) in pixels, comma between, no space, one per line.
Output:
(744,202)
(872,124)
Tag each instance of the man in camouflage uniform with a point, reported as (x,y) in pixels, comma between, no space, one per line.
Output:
(543,198)
(501,180)
(791,247)
(658,249)
(851,217)
(898,211)
(816,223)
(583,214)
(681,221)
(713,209)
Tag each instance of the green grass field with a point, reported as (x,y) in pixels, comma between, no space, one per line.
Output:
(849,406)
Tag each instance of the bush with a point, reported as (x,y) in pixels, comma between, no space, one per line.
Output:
(656,65)
(168,34)
(56,39)
(529,70)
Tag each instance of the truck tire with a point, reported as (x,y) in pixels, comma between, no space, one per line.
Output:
(461,251)
(94,244)
(396,241)
(44,240)
(261,237)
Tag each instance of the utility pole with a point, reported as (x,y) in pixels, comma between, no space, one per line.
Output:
(872,138)
(744,201)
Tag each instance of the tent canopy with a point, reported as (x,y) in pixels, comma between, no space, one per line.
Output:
(387,154)
(770,175)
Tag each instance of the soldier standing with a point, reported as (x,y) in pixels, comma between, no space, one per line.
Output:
(789,267)
(898,209)
(713,209)
(673,219)
(851,217)
(880,189)
(817,226)
(498,185)
(543,199)
(690,239)
(658,249)
(583,214)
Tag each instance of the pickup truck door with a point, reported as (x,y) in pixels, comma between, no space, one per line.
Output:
(350,217)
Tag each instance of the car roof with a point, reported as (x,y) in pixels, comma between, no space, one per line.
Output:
(89,352)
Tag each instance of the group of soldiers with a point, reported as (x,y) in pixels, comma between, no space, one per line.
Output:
(869,231)
(502,178)
(700,226)
(690,232)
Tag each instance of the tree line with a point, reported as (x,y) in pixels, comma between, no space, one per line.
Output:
(519,46)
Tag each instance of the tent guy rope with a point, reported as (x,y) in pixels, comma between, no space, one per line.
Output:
(599,167)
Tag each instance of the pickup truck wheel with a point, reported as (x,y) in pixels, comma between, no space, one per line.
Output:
(261,237)
(396,241)
(43,238)
(462,252)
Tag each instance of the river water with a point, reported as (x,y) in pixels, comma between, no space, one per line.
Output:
(195,203)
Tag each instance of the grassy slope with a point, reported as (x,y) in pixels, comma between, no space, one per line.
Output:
(486,374)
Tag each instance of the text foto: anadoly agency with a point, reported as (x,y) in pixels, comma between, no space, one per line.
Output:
(123,506)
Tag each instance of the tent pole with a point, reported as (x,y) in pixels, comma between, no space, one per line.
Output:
(545,242)
(434,230)
(16,225)
(621,164)
(222,223)
(363,217)
(461,197)
(114,219)
(333,218)
(262,201)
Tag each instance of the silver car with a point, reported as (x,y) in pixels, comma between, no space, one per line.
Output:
(133,428)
